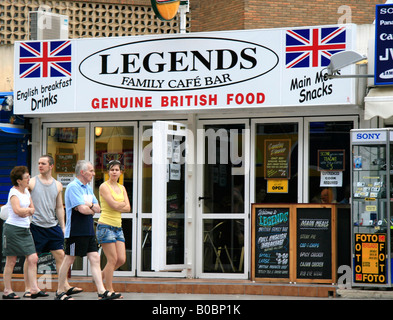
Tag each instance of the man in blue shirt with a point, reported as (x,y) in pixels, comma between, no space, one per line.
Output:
(81,205)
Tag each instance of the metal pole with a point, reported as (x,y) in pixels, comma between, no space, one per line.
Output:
(183,10)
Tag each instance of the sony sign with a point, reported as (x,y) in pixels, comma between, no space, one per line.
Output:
(368,136)
(384,45)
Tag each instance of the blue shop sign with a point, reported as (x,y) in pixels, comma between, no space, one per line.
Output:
(383,44)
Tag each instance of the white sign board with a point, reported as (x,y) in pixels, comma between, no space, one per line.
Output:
(197,71)
(331,179)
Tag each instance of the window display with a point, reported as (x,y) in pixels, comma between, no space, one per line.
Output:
(371,199)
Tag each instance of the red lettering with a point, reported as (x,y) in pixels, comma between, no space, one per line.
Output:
(122,102)
(249,98)
(189,100)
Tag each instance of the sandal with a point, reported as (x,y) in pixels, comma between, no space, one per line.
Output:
(108,295)
(39,294)
(27,294)
(73,290)
(11,296)
(63,296)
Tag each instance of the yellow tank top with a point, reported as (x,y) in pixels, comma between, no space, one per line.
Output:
(110,216)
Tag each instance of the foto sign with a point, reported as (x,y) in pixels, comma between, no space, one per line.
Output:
(383,73)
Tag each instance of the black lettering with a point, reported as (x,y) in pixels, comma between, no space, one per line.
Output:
(127,62)
(104,65)
(146,62)
(248,58)
(220,59)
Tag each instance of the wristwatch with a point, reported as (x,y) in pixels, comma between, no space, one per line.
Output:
(92,205)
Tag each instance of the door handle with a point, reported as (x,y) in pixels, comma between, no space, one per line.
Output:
(203,198)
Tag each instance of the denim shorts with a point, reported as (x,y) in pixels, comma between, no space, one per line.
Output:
(109,234)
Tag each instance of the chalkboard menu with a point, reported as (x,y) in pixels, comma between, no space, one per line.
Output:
(65,162)
(314,243)
(331,160)
(271,238)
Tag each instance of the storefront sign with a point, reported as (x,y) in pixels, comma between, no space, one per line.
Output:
(368,136)
(370,258)
(277,186)
(331,179)
(65,178)
(383,45)
(199,71)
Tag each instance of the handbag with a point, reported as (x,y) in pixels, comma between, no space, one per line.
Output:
(4,212)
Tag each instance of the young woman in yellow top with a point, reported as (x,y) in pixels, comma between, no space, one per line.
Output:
(114,201)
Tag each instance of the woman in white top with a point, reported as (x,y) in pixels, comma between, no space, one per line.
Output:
(17,239)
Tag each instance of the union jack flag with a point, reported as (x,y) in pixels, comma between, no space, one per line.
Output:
(313,47)
(45,59)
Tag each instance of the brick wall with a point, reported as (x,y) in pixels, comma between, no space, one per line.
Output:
(214,15)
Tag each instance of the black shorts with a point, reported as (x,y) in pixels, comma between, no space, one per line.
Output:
(47,239)
(80,246)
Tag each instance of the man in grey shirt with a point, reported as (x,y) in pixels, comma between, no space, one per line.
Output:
(47,226)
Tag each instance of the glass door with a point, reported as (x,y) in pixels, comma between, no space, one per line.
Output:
(169,195)
(328,137)
(223,199)
(277,160)
(144,208)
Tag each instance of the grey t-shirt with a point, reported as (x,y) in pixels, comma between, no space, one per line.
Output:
(44,200)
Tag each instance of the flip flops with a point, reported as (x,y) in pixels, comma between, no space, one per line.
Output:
(63,296)
(39,294)
(73,290)
(11,296)
(107,295)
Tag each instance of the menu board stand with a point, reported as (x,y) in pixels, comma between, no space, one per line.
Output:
(271,244)
(294,243)
(316,246)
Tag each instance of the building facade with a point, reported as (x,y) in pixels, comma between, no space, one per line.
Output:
(235,120)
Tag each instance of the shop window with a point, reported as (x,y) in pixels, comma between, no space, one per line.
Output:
(276,163)
(146,198)
(147,169)
(116,143)
(223,189)
(146,245)
(66,146)
(329,162)
(223,246)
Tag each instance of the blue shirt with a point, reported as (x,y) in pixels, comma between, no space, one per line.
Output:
(78,224)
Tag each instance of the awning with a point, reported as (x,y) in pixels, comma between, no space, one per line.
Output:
(13,130)
(379,102)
